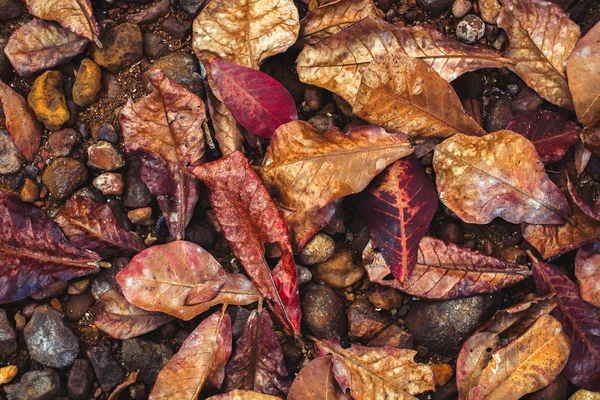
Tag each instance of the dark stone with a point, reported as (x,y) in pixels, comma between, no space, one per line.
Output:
(136,194)
(10,157)
(526,101)
(79,384)
(192,7)
(146,356)
(108,371)
(202,234)
(102,283)
(435,7)
(6,69)
(179,67)
(176,28)
(364,322)
(122,46)
(61,143)
(64,176)
(8,336)
(104,156)
(154,46)
(557,390)
(78,305)
(393,336)
(499,114)
(9,9)
(108,133)
(36,385)
(451,231)
(323,311)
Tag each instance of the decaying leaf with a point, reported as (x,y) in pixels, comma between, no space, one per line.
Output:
(497,175)
(93,226)
(587,271)
(249,218)
(541,37)
(243,395)
(34,252)
(128,381)
(21,124)
(307,169)
(316,381)
(165,129)
(590,211)
(74,15)
(227,131)
(303,225)
(199,363)
(179,279)
(474,356)
(377,372)
(245,32)
(399,205)
(39,45)
(405,95)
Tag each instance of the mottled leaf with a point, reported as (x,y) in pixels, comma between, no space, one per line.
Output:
(497,175)
(303,225)
(75,15)
(474,356)
(243,395)
(316,381)
(34,252)
(541,37)
(587,271)
(227,131)
(164,278)
(165,127)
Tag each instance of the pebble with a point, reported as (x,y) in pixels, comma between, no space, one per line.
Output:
(500,42)
(314,98)
(393,336)
(36,385)
(47,100)
(78,286)
(109,183)
(364,322)
(442,373)
(61,143)
(10,157)
(470,29)
(339,271)
(80,378)
(20,322)
(452,232)
(30,191)
(385,298)
(88,83)
(8,336)
(154,46)
(108,371)
(78,305)
(304,274)
(108,133)
(176,28)
(321,122)
(6,69)
(317,250)
(323,311)
(460,8)
(137,391)
(8,373)
(526,101)
(514,255)
(192,7)
(499,114)
(64,176)
(104,156)
(179,67)
(112,85)
(489,10)
(102,284)
(9,9)
(141,216)
(122,46)
(435,7)
(146,356)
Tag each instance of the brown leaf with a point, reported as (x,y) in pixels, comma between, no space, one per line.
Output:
(474,356)
(227,131)
(303,225)
(541,37)
(243,395)
(587,271)
(199,362)
(129,380)
(166,128)
(39,45)
(21,124)
(245,32)
(307,169)
(163,278)
(316,381)
(74,15)
(119,319)
(377,372)
(497,175)
(405,95)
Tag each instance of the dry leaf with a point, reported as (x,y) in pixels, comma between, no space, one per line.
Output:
(74,15)
(303,225)
(243,395)
(587,271)
(474,356)
(227,131)
(316,381)
(130,380)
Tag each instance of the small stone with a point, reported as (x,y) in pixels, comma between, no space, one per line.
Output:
(314,97)
(103,283)
(154,46)
(489,10)
(557,390)
(9,9)
(460,8)
(108,372)
(451,232)
(435,7)
(104,156)
(141,216)
(526,101)
(317,250)
(179,67)
(364,322)
(192,7)
(501,40)
(514,255)
(52,290)
(340,270)
(385,298)
(81,376)
(136,194)
(47,100)
(6,69)
(304,274)
(321,122)
(442,373)
(78,305)
(470,29)
(108,134)
(49,339)
(64,176)
(88,83)
(8,336)
(36,385)
(30,191)
(10,157)
(499,114)
(109,183)
(145,356)
(78,286)
(112,85)
(8,373)
(176,28)
(137,391)
(61,143)
(393,336)
(323,311)
(20,322)
(122,46)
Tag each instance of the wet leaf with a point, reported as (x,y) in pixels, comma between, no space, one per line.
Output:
(580,321)
(119,319)
(165,128)
(405,95)
(21,124)
(541,37)
(164,278)
(227,131)
(39,45)
(34,252)
(93,226)
(399,205)
(316,381)
(592,212)
(550,133)
(243,395)
(303,225)
(446,271)
(377,372)
(245,32)
(257,363)
(257,102)
(74,15)
(249,218)
(128,381)
(474,356)
(587,271)
(583,71)
(497,175)
(307,169)
(199,363)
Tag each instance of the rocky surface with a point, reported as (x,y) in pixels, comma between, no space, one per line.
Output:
(88,83)
(47,100)
(122,46)
(36,385)
(64,176)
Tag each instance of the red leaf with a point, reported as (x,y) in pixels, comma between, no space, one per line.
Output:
(580,321)
(249,218)
(399,204)
(34,252)
(303,225)
(587,271)
(550,133)
(258,102)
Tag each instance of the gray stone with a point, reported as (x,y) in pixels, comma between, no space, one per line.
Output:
(470,29)
(192,7)
(80,378)
(36,385)
(323,311)
(148,357)
(435,7)
(136,194)
(9,9)
(108,371)
(179,67)
(460,8)
(6,69)
(78,305)
(8,336)
(10,157)
(499,114)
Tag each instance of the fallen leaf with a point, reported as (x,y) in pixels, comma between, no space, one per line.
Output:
(307,169)
(128,381)
(582,394)
(497,175)
(587,271)
(75,15)
(227,131)
(303,225)
(163,278)
(580,321)
(590,136)
(21,124)
(541,37)
(93,226)
(245,32)
(474,356)
(582,157)
(199,363)
(377,372)
(550,133)
(39,45)
(166,128)
(583,71)
(592,212)
(316,381)
(243,395)
(398,206)
(34,252)
(119,319)
(405,95)
(257,363)
(257,102)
